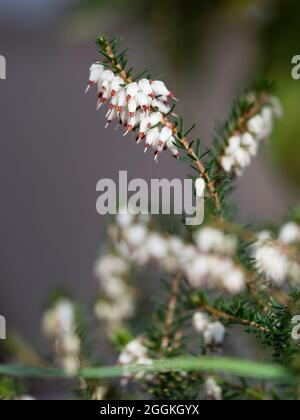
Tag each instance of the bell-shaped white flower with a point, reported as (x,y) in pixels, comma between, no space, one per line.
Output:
(172,147)
(165,135)
(116,85)
(146,88)
(132,90)
(121,100)
(143,101)
(132,106)
(200,187)
(96,71)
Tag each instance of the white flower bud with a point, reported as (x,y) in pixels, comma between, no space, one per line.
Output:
(146,88)
(172,147)
(136,235)
(200,321)
(132,90)
(212,390)
(214,334)
(116,85)
(96,71)
(151,137)
(132,106)
(227,163)
(234,281)
(200,187)
(159,88)
(242,157)
(256,125)
(234,143)
(161,106)
(290,233)
(156,246)
(143,101)
(165,135)
(121,100)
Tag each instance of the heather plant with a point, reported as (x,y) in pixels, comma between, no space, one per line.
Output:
(215,277)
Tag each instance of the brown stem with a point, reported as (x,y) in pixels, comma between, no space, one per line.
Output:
(190,152)
(220,314)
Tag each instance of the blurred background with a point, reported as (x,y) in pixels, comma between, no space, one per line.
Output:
(54,147)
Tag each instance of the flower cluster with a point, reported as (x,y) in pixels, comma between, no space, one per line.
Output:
(213,332)
(208,263)
(244,142)
(59,325)
(139,106)
(213,390)
(116,303)
(135,353)
(274,258)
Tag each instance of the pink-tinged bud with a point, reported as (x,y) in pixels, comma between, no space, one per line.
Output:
(143,101)
(159,88)
(132,106)
(132,90)
(146,88)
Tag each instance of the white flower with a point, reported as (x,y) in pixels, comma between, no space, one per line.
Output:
(70,365)
(59,320)
(249,141)
(124,219)
(132,89)
(136,235)
(200,321)
(214,334)
(160,89)
(96,71)
(256,125)
(116,85)
(290,233)
(227,163)
(110,265)
(271,262)
(146,87)
(213,390)
(242,158)
(113,287)
(234,144)
(70,343)
(140,105)
(211,240)
(135,353)
(234,281)
(200,187)
(156,246)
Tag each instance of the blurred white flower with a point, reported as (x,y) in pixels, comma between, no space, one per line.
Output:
(213,390)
